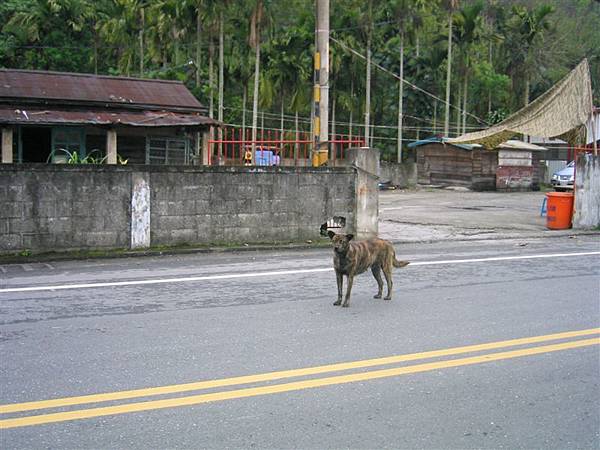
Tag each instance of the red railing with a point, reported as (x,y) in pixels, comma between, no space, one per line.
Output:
(573,151)
(274,148)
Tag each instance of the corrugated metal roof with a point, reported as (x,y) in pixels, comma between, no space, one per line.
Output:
(60,88)
(440,140)
(102,117)
(508,145)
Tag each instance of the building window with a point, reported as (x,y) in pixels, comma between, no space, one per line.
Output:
(163,150)
(68,141)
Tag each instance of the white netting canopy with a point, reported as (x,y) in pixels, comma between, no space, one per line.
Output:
(561,112)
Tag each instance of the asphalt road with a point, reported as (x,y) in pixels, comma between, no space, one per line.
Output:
(416,374)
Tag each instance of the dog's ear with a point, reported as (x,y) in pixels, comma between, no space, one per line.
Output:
(349,237)
(323,229)
(331,234)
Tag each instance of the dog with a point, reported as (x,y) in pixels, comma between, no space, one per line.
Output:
(355,257)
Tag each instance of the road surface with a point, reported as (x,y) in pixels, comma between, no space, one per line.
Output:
(485,345)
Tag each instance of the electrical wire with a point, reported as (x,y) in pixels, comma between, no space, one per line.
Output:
(414,86)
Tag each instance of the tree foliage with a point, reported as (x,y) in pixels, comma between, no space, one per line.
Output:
(505,53)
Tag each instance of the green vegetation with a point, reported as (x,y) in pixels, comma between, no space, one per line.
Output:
(61,155)
(503,54)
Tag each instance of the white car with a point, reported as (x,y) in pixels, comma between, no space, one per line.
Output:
(563,179)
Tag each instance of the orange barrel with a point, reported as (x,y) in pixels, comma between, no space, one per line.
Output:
(559,207)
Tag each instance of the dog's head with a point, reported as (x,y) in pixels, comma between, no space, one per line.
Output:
(341,242)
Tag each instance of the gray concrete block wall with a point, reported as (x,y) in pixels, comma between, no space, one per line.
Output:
(366,160)
(587,192)
(246,205)
(61,207)
(47,208)
(402,175)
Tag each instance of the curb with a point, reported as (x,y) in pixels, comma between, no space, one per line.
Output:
(116,253)
(505,237)
(110,254)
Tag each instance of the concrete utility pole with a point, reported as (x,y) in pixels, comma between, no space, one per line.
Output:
(321,89)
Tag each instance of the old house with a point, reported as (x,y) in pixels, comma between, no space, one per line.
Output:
(53,117)
(513,165)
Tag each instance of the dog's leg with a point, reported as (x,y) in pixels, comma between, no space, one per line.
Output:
(340,284)
(387,271)
(348,291)
(377,274)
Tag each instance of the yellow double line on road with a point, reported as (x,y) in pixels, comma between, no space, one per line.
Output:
(148,405)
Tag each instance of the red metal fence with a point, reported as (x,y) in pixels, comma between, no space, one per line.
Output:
(573,151)
(272,147)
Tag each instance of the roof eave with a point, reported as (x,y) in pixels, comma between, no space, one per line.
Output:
(18,102)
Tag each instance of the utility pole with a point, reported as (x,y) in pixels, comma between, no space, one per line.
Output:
(321,87)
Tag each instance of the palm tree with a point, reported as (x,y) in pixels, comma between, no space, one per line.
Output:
(287,69)
(220,10)
(468,24)
(194,11)
(141,34)
(366,20)
(221,63)
(238,62)
(368,29)
(496,23)
(118,27)
(256,22)
(92,13)
(167,30)
(527,32)
(53,23)
(451,6)
(35,21)
(344,62)
(427,69)
(407,15)
(199,7)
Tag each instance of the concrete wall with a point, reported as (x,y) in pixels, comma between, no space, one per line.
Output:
(514,178)
(45,207)
(515,170)
(63,207)
(402,175)
(587,192)
(366,160)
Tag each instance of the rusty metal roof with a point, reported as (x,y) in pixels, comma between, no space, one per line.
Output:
(28,116)
(511,144)
(52,88)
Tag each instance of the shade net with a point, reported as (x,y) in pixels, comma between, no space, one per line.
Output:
(561,112)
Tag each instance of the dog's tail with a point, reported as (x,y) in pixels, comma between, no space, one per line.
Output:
(400,263)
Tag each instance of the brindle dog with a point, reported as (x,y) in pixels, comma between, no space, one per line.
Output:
(353,258)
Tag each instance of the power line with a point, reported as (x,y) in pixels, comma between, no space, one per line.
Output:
(387,22)
(305,120)
(417,88)
(356,125)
